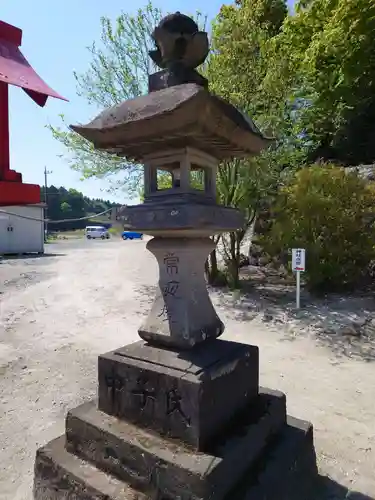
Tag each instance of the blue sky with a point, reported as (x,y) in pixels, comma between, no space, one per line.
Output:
(55,37)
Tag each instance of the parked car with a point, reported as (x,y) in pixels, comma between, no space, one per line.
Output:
(93,232)
(131,235)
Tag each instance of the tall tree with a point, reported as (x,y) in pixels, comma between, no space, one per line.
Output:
(236,70)
(241,35)
(324,59)
(118,70)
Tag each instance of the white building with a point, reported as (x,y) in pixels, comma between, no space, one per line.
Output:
(19,232)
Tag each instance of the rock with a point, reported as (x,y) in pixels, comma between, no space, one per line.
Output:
(283,270)
(264,260)
(352,330)
(253,261)
(244,261)
(329,330)
(271,267)
(267,316)
(368,328)
(349,330)
(270,315)
(255,250)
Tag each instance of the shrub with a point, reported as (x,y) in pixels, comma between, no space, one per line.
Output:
(330,213)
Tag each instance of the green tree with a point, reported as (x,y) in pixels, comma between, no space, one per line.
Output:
(246,185)
(71,204)
(65,207)
(323,64)
(331,214)
(241,35)
(237,68)
(118,70)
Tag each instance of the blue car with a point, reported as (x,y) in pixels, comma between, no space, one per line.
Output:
(131,235)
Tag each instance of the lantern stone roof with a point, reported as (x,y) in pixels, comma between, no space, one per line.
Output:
(178,116)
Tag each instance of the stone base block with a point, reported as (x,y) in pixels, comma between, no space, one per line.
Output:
(188,395)
(148,462)
(287,470)
(62,476)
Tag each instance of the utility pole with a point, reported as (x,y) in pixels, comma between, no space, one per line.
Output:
(46,172)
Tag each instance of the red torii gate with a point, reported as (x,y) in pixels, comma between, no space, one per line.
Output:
(15,70)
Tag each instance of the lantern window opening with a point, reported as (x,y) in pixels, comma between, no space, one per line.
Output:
(164,179)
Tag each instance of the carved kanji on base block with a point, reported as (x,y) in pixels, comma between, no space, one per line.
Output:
(180,414)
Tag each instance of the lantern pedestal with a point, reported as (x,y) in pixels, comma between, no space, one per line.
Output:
(262,455)
(180,425)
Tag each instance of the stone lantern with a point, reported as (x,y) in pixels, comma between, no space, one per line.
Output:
(181,130)
(180,414)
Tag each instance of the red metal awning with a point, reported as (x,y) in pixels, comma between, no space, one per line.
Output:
(15,69)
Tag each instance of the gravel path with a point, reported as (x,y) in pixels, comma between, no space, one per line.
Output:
(58,312)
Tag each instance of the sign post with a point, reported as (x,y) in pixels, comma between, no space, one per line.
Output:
(298,266)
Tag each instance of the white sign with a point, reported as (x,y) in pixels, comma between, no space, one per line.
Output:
(298,259)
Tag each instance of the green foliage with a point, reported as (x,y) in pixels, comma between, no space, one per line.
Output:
(323,64)
(164,180)
(330,213)
(118,70)
(71,204)
(236,70)
(65,207)
(306,78)
(245,185)
(238,65)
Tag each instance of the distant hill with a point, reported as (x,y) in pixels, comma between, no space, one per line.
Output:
(72,204)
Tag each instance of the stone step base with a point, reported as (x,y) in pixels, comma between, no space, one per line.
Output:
(287,471)
(59,475)
(146,460)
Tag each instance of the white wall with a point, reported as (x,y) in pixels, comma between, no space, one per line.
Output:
(19,235)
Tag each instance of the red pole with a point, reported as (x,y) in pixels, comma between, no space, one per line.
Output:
(4,130)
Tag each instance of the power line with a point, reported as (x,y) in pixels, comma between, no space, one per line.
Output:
(56,221)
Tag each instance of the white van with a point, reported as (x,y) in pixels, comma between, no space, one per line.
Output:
(93,232)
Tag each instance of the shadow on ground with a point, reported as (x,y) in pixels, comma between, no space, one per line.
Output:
(328,489)
(257,304)
(145,295)
(26,256)
(323,318)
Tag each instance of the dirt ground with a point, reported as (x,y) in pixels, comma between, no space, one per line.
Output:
(58,312)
